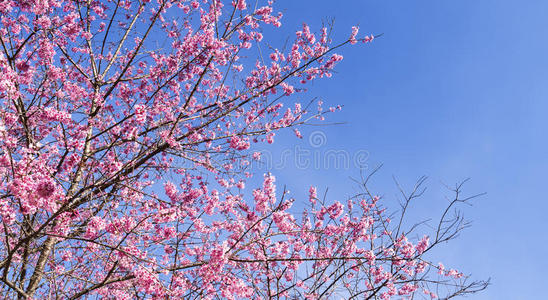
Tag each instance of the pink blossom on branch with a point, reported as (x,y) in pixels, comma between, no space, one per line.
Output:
(126,129)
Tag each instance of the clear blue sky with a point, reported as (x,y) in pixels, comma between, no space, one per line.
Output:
(454,89)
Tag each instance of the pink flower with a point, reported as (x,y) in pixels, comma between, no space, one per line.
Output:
(312,195)
(45,189)
(353,39)
(140,113)
(43,22)
(368,39)
(441,268)
(239,4)
(239,143)
(335,210)
(256,155)
(422,245)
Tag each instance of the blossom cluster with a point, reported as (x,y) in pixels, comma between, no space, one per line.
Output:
(125,137)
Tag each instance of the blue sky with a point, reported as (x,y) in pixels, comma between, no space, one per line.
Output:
(454,89)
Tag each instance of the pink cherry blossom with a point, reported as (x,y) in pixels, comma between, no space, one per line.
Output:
(127,131)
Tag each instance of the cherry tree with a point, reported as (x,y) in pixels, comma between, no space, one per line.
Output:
(126,129)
